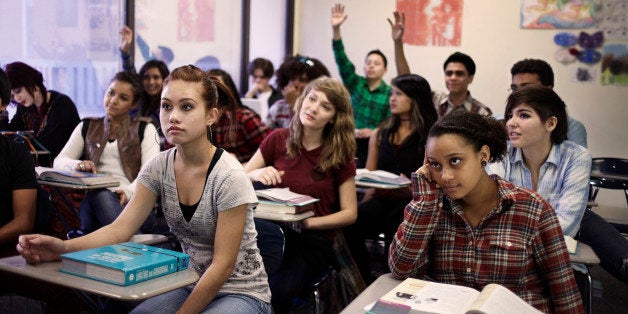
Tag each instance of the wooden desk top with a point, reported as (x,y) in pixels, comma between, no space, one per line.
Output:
(49,272)
(372,293)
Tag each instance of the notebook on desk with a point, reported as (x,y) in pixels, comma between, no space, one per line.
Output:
(255,105)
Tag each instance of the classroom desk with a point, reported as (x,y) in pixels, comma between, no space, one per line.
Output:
(386,282)
(372,293)
(49,272)
(78,186)
(364,184)
(283,217)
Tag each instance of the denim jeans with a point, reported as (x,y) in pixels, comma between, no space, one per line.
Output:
(609,245)
(171,301)
(101,207)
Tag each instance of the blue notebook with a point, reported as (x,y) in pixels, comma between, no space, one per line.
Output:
(123,264)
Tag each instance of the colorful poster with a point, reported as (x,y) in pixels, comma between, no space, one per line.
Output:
(560,13)
(614,20)
(432,22)
(615,64)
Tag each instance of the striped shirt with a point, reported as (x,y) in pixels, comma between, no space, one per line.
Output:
(370,107)
(563,180)
(519,244)
(444,106)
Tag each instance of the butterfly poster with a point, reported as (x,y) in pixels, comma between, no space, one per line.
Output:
(560,13)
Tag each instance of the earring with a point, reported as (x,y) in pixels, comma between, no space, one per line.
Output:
(209,130)
(483,163)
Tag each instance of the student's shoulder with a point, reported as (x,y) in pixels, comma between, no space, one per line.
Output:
(569,148)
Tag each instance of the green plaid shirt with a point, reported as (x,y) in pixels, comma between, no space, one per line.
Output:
(370,107)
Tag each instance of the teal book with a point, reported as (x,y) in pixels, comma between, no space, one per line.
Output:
(123,264)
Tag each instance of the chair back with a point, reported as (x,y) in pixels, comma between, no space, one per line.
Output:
(604,173)
(271,242)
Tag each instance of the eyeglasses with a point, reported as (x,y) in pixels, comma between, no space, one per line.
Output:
(306,60)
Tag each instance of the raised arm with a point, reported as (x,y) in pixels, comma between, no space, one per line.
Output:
(338,17)
(126,39)
(397,29)
(229,231)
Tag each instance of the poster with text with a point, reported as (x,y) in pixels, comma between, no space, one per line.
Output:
(432,22)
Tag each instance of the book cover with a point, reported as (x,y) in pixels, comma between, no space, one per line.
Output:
(183,260)
(285,196)
(121,264)
(420,296)
(381,176)
(74,177)
(282,208)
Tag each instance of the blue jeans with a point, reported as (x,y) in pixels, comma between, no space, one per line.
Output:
(171,301)
(101,207)
(609,245)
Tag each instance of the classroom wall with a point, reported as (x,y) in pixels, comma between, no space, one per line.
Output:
(492,36)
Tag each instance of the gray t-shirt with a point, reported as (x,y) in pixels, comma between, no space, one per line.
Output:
(227,186)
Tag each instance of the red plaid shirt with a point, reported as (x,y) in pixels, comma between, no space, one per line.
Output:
(243,138)
(519,245)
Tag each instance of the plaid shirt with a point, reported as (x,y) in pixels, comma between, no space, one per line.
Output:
(370,107)
(279,115)
(519,245)
(444,106)
(244,139)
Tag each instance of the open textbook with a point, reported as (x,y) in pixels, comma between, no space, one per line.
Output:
(75,177)
(381,177)
(420,296)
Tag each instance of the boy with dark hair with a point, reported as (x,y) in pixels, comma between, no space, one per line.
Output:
(459,71)
(536,72)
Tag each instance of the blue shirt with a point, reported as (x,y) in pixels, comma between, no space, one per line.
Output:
(563,180)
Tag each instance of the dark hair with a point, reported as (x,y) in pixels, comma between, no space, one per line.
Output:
(5,88)
(263,64)
(461,58)
(131,79)
(535,66)
(422,113)
(379,53)
(233,97)
(212,87)
(298,66)
(160,65)
(23,75)
(546,103)
(477,130)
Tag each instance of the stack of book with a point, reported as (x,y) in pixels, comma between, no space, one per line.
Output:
(124,264)
(281,202)
(75,178)
(380,179)
(420,296)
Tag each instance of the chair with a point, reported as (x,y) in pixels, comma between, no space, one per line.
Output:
(271,242)
(585,255)
(609,173)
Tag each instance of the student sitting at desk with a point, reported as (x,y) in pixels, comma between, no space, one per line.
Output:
(397,147)
(116,145)
(292,76)
(240,136)
(541,158)
(467,228)
(261,71)
(207,200)
(314,156)
(49,114)
(18,187)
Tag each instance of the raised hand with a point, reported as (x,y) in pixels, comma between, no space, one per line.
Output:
(338,15)
(397,28)
(126,38)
